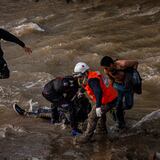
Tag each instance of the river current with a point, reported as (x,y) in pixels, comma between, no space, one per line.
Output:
(61,35)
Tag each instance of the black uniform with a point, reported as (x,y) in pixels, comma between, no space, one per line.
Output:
(4,71)
(61,92)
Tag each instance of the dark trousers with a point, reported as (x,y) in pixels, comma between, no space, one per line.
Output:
(4,71)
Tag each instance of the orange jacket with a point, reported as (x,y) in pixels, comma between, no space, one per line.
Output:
(109,93)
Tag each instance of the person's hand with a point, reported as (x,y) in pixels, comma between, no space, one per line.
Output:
(98,112)
(28,50)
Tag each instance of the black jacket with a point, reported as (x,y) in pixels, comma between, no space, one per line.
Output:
(5,35)
(62,88)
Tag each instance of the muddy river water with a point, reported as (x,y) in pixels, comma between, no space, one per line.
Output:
(61,35)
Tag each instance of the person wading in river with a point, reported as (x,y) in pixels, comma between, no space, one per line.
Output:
(103,97)
(5,35)
(126,80)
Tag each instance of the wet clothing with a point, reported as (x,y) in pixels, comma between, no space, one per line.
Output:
(130,85)
(133,80)
(124,88)
(96,123)
(4,71)
(61,92)
(127,89)
(125,96)
(61,89)
(93,119)
(106,97)
(5,35)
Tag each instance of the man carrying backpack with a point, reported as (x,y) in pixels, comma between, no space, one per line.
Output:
(125,78)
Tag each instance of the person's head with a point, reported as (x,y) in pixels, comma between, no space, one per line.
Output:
(80,71)
(107,63)
(69,83)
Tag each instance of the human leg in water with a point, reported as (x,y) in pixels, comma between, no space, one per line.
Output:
(91,126)
(54,112)
(101,124)
(119,107)
(39,112)
(19,110)
(4,71)
(74,121)
(128,100)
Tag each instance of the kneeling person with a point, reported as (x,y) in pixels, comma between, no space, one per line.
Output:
(62,93)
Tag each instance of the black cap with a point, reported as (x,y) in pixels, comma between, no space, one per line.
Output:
(106,61)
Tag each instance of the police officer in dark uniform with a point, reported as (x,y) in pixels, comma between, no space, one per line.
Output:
(62,93)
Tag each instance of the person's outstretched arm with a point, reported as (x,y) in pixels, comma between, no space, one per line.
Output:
(5,35)
(127,63)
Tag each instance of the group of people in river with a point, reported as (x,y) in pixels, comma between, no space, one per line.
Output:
(85,95)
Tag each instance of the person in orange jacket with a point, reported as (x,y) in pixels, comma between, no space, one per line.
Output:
(102,96)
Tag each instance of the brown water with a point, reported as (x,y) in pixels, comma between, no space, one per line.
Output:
(73,33)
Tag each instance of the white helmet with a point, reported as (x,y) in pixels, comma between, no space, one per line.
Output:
(81,67)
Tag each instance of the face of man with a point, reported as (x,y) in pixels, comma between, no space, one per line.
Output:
(107,70)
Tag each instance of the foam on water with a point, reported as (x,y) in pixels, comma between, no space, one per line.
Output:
(128,11)
(149,12)
(10,128)
(26,28)
(32,84)
(148,73)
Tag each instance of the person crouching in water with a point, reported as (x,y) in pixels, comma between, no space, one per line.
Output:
(68,105)
(103,97)
(62,93)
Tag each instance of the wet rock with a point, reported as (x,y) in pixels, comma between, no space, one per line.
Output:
(148,118)
(148,124)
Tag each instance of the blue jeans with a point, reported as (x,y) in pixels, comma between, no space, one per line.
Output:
(125,96)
